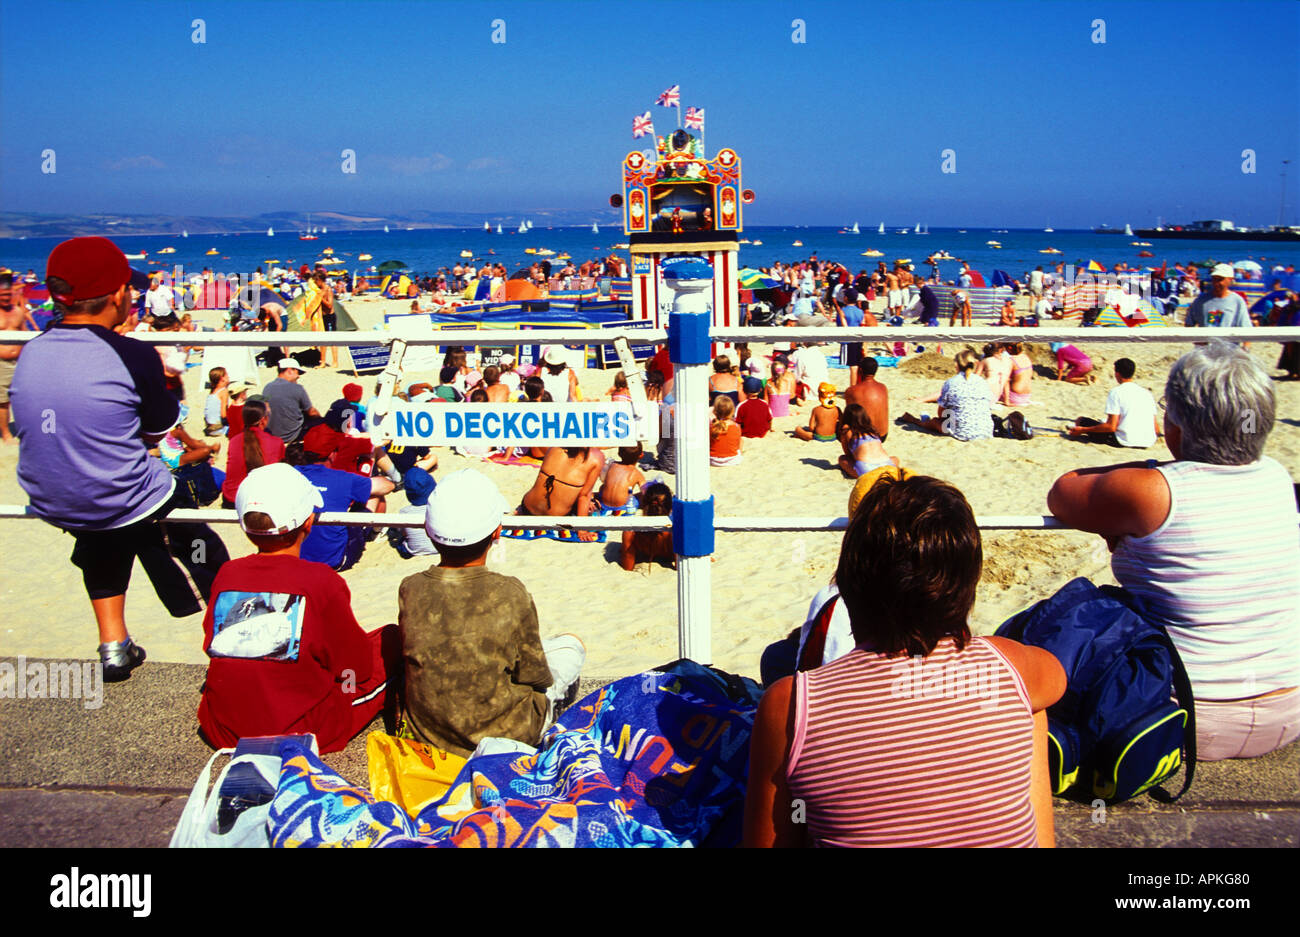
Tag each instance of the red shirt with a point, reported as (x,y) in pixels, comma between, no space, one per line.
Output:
(235,419)
(304,660)
(236,470)
(754,417)
(661,363)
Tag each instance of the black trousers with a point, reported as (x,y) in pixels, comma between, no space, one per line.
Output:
(106,557)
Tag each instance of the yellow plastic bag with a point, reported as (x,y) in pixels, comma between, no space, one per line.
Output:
(408,773)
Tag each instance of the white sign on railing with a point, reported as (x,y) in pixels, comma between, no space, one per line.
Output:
(519,424)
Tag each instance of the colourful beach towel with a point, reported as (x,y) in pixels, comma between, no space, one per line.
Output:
(566,536)
(657,759)
(511,458)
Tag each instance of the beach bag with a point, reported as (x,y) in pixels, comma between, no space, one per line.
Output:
(408,773)
(1015,426)
(236,813)
(196,486)
(1127,719)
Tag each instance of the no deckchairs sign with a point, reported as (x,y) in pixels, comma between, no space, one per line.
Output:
(519,424)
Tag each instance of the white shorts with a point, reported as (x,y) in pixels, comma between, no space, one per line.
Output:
(895,298)
(565,655)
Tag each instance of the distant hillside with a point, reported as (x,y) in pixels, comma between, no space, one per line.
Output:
(27,224)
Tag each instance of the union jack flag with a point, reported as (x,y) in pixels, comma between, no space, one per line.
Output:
(671,98)
(642,126)
(695,118)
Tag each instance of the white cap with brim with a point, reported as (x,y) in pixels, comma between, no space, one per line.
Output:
(286,363)
(1222,270)
(281,492)
(464,509)
(507,359)
(555,354)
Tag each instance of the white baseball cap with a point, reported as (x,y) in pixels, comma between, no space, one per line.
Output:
(280,491)
(464,509)
(289,363)
(555,354)
(1222,270)
(507,358)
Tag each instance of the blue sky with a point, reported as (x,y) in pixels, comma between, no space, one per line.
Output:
(1048,127)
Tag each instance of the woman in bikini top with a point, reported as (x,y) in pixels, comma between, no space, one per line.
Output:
(575,472)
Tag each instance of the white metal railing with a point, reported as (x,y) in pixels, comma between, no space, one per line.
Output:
(694,630)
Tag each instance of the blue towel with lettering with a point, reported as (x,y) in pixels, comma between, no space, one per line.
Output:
(657,759)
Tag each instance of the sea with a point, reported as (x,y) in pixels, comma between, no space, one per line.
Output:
(428,250)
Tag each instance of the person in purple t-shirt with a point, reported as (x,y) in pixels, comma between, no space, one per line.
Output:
(1072,364)
(88,403)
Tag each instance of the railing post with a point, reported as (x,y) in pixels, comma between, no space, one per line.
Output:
(693,534)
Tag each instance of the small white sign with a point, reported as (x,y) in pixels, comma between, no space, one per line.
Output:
(605,425)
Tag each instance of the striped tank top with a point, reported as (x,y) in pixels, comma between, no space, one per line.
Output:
(897,751)
(1222,574)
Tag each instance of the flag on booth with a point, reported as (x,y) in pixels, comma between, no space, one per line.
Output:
(695,118)
(642,125)
(672,97)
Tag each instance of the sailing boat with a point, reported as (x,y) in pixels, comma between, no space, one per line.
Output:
(855,228)
(385,229)
(184,233)
(523,227)
(270,232)
(916,230)
(1128,229)
(595,228)
(487,226)
(530,225)
(324,230)
(881,229)
(498,227)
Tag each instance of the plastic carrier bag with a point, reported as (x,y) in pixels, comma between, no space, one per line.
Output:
(408,773)
(235,814)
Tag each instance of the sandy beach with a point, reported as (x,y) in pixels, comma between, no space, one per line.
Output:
(761,582)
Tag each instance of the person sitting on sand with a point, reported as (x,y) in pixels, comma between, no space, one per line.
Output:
(1072,364)
(286,654)
(476,666)
(781,387)
(863,451)
(414,541)
(723,381)
(1022,375)
(810,370)
(649,546)
(754,415)
(564,486)
(509,376)
(1206,545)
(497,392)
(336,546)
(215,404)
(995,367)
(862,745)
(964,404)
(726,444)
(249,450)
(620,478)
(619,390)
(1008,315)
(871,395)
(824,419)
(532,388)
(1131,417)
(560,379)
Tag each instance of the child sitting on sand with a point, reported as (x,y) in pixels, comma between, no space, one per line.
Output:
(648,546)
(724,433)
(476,666)
(619,389)
(620,478)
(781,387)
(722,382)
(286,653)
(754,415)
(824,420)
(497,391)
(863,450)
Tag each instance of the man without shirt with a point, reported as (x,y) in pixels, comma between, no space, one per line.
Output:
(13,318)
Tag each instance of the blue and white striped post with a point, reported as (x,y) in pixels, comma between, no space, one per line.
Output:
(689,350)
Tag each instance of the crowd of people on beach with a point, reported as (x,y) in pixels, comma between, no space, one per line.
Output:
(1204,543)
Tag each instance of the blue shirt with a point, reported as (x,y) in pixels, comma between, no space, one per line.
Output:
(852,316)
(339,490)
(82,397)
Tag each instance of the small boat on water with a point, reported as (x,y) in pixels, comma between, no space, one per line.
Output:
(498,229)
(993,243)
(168,250)
(1141,243)
(1049,230)
(595,228)
(855,228)
(756,244)
(797,244)
(270,232)
(184,233)
(385,229)
(466,253)
(1049,250)
(140,256)
(364,257)
(487,226)
(212,252)
(881,229)
(1145,254)
(873,253)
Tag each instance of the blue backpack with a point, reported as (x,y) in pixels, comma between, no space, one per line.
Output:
(1118,730)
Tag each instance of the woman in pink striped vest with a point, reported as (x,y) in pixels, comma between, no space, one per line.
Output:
(921,735)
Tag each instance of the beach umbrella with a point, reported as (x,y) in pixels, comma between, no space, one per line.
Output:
(751,279)
(1248,265)
(388,266)
(1094,267)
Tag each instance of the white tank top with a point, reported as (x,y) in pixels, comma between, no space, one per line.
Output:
(557,385)
(1222,574)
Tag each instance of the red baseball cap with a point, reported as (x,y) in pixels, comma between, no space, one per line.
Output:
(94,266)
(352,392)
(321,441)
